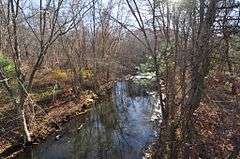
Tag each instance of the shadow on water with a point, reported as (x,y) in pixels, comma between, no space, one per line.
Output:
(119,127)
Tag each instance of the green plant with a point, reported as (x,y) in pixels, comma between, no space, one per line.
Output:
(59,74)
(7,65)
(86,73)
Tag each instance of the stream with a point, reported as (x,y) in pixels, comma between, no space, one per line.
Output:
(119,127)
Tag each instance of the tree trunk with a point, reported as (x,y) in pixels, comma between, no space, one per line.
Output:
(21,107)
(25,126)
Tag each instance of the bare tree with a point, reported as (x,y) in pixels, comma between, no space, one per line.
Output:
(52,25)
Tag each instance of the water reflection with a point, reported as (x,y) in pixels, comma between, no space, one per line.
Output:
(118,128)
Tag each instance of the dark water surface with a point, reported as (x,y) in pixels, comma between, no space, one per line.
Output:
(120,127)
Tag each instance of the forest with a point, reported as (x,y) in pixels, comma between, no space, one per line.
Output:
(129,79)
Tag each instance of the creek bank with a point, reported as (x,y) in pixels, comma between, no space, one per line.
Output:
(48,121)
(216,122)
(51,121)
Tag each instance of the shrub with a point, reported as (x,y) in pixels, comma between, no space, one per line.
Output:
(59,74)
(86,73)
(7,65)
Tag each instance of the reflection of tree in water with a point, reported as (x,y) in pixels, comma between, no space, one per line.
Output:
(107,131)
(134,90)
(101,136)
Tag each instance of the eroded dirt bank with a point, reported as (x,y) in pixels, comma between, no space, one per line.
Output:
(49,120)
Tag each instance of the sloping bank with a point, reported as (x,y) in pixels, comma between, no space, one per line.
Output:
(50,120)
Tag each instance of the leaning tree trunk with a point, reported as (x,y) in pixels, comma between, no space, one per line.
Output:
(25,126)
(21,106)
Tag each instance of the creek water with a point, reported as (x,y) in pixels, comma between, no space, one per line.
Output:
(119,127)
